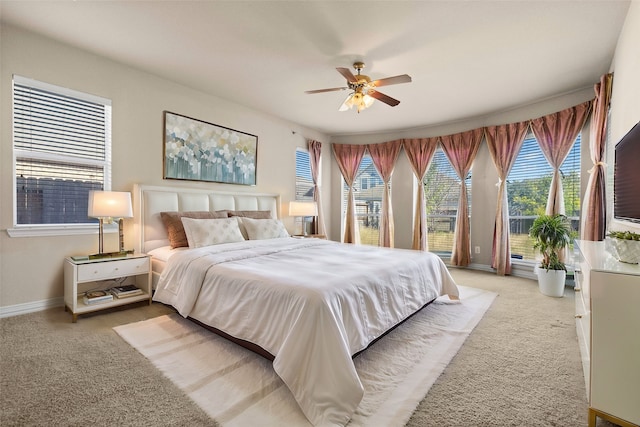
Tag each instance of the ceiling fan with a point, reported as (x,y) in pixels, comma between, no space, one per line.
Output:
(364,90)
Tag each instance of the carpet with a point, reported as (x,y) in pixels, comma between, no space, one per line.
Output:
(238,388)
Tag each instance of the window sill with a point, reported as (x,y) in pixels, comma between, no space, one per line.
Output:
(58,230)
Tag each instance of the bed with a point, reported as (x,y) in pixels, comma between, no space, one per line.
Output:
(310,305)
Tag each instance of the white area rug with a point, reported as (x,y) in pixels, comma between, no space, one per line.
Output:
(239,388)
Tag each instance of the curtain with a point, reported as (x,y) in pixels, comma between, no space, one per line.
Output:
(420,152)
(504,143)
(384,158)
(349,158)
(315,150)
(461,150)
(593,221)
(555,134)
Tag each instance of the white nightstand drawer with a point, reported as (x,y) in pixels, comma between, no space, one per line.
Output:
(111,269)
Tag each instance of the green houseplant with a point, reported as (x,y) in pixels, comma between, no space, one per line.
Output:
(625,246)
(552,235)
(624,235)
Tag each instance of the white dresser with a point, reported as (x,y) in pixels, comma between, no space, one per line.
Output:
(608,326)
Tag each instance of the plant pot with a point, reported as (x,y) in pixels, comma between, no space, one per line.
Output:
(624,250)
(551,282)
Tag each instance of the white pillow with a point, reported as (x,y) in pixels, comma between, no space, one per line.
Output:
(207,232)
(261,229)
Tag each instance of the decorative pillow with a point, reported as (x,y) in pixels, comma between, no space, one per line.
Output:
(175,229)
(207,232)
(260,229)
(249,214)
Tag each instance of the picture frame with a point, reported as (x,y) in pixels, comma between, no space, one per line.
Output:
(196,150)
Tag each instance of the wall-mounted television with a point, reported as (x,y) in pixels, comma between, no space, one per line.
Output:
(626,178)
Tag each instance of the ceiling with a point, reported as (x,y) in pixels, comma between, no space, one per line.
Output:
(466,58)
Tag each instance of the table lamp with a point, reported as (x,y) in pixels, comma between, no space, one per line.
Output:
(304,210)
(107,206)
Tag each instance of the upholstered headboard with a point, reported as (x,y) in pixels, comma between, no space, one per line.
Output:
(149,201)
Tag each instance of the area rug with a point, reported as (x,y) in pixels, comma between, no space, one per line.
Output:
(239,388)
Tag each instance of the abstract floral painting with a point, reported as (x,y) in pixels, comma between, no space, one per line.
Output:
(201,151)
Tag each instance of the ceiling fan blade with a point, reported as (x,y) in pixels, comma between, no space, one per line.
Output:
(404,78)
(325,90)
(347,74)
(384,98)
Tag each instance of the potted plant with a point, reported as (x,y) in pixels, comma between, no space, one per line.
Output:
(625,246)
(552,236)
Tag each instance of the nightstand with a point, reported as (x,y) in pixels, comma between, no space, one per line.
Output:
(83,275)
(309,236)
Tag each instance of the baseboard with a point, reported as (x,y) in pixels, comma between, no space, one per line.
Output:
(481,267)
(523,270)
(30,307)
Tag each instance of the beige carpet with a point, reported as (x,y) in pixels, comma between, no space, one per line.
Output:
(238,388)
(519,367)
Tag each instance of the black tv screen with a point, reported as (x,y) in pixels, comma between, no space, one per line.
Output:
(626,177)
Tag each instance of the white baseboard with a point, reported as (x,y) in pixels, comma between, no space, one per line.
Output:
(30,307)
(522,270)
(481,267)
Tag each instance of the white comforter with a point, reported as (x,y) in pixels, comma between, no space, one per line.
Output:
(311,303)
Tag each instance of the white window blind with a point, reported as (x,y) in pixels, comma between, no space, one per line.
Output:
(441,194)
(528,189)
(62,150)
(368,188)
(304,181)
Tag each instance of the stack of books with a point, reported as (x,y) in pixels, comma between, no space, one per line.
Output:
(97,297)
(125,291)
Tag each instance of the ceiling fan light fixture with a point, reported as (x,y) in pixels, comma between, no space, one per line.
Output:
(357,99)
(368,100)
(364,90)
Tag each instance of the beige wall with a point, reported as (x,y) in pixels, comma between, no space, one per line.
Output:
(31,267)
(625,97)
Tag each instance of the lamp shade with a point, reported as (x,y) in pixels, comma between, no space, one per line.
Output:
(303,209)
(110,204)
(357,99)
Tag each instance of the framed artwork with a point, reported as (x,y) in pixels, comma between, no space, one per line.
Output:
(201,151)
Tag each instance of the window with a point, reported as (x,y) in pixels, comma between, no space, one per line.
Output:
(62,150)
(609,159)
(304,184)
(441,193)
(368,188)
(304,181)
(528,188)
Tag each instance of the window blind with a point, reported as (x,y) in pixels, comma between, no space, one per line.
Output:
(368,188)
(304,181)
(528,189)
(442,192)
(530,178)
(61,142)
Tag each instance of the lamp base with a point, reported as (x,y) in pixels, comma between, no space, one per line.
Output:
(119,254)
